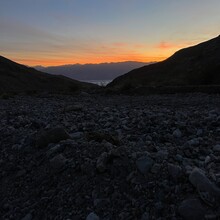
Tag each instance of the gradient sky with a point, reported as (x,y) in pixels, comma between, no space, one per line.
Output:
(56,32)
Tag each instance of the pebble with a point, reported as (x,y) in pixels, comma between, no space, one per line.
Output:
(177,133)
(92,216)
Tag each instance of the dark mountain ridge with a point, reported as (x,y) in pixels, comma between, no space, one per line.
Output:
(192,66)
(15,77)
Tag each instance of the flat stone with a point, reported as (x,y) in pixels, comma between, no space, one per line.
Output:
(144,164)
(76,135)
(55,149)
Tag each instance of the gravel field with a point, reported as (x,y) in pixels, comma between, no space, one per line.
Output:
(99,157)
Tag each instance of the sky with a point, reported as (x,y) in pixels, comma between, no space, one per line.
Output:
(58,32)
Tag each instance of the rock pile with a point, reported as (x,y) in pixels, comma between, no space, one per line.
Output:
(117,157)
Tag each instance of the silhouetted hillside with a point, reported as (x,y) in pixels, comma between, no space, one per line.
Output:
(102,71)
(196,65)
(17,77)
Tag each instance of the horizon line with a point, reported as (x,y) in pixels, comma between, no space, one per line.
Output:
(83,64)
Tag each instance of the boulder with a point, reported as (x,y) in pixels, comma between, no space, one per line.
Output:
(203,184)
(192,209)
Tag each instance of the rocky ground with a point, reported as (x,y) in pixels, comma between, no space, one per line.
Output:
(110,157)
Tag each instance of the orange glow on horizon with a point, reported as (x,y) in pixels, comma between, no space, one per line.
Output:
(120,53)
(95,60)
(99,53)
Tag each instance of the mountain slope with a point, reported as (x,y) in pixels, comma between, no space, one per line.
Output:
(19,78)
(102,71)
(196,65)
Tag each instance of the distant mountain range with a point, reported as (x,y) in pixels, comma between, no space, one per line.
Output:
(15,77)
(193,66)
(103,71)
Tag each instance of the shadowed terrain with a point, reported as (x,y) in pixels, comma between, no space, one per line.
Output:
(110,157)
(19,78)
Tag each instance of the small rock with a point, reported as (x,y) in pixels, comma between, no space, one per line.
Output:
(21,173)
(58,162)
(207,159)
(199,132)
(28,217)
(92,216)
(107,145)
(100,203)
(156,168)
(179,158)
(76,135)
(101,162)
(162,155)
(192,209)
(57,148)
(145,216)
(76,107)
(144,164)
(54,135)
(174,171)
(6,207)
(216,148)
(194,142)
(177,133)
(84,94)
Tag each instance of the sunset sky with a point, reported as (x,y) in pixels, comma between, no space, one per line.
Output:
(57,32)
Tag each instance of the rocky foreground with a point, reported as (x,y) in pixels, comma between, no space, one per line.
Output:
(118,157)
